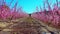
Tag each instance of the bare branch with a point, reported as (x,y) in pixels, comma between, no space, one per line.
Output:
(4,2)
(37,9)
(57,2)
(14,8)
(48,5)
(44,5)
(40,8)
(11,2)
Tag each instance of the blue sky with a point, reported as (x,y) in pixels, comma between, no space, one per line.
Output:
(29,6)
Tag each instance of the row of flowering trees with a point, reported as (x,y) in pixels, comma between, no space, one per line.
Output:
(52,16)
(8,14)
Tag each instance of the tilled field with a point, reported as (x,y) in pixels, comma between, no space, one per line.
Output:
(25,26)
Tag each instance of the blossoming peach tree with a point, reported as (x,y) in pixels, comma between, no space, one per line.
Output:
(8,14)
(51,16)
